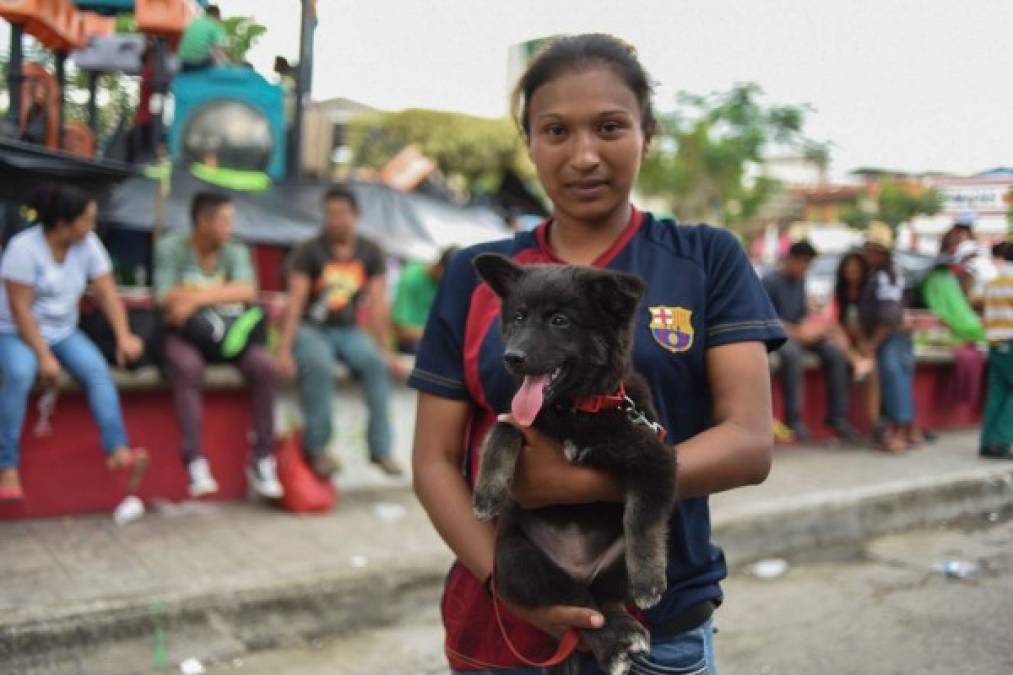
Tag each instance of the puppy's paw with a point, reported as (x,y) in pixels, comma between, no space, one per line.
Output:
(485,506)
(620,660)
(618,664)
(647,592)
(571,451)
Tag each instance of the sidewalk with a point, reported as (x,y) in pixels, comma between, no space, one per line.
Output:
(216,581)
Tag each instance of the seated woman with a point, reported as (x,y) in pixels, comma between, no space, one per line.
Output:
(852,274)
(45,271)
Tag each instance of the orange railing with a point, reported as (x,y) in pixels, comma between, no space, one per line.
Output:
(56,23)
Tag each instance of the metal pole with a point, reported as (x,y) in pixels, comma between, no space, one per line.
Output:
(304,86)
(159,87)
(92,110)
(14,76)
(61,83)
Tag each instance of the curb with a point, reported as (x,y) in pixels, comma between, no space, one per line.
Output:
(304,610)
(847,517)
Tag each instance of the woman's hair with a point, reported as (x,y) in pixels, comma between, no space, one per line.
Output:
(841,284)
(56,202)
(578,52)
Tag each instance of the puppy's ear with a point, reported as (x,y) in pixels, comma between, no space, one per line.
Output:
(498,271)
(619,294)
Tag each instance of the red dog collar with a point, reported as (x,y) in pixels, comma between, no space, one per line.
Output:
(593,404)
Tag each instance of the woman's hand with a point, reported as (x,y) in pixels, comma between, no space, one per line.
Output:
(544,476)
(558,619)
(284,364)
(129,348)
(49,370)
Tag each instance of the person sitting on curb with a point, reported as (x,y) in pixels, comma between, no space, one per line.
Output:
(786,288)
(203,272)
(330,279)
(887,336)
(45,270)
(416,289)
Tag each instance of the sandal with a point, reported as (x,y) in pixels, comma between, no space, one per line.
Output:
(893,444)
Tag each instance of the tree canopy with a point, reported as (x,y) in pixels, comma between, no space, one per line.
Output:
(476,149)
(707,156)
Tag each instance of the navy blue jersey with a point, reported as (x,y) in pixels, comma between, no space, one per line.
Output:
(701,293)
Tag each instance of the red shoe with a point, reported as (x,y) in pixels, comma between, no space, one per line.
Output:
(11,494)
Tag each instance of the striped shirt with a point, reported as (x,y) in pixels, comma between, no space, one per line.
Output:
(999,306)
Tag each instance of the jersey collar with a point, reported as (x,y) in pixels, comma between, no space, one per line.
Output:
(636,217)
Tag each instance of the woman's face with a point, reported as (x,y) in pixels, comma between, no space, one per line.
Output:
(79,228)
(853,270)
(586,141)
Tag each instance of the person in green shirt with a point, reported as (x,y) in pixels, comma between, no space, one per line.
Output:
(203,41)
(416,289)
(205,271)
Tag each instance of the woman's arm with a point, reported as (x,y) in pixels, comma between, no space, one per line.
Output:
(436,460)
(20,297)
(736,451)
(436,467)
(298,293)
(128,346)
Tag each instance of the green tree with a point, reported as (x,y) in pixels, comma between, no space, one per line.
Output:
(242,33)
(855,216)
(897,203)
(475,149)
(707,155)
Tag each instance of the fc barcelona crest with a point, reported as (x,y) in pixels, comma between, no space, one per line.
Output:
(672,327)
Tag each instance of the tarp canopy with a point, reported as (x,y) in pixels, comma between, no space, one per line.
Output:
(23,166)
(407,225)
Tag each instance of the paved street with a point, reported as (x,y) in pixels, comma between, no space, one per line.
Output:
(877,608)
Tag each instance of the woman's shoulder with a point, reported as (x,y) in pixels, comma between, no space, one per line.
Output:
(704,244)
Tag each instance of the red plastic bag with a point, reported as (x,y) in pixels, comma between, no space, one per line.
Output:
(304,492)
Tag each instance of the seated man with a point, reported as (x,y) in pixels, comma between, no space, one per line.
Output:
(203,41)
(786,288)
(198,272)
(330,279)
(416,288)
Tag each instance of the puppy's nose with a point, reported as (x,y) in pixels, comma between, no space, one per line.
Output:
(514,358)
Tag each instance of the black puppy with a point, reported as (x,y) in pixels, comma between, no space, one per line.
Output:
(569,335)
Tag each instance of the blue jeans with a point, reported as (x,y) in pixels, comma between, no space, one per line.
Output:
(76,353)
(316,349)
(896,362)
(689,653)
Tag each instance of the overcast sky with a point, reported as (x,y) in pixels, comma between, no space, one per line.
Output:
(908,84)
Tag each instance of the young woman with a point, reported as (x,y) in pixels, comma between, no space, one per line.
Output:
(887,339)
(852,274)
(45,271)
(701,339)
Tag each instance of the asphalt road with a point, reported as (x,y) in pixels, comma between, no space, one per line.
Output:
(874,609)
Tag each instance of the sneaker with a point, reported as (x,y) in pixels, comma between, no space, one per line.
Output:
(201,481)
(263,475)
(996,452)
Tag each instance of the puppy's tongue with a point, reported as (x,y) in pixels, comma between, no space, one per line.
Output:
(528,399)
